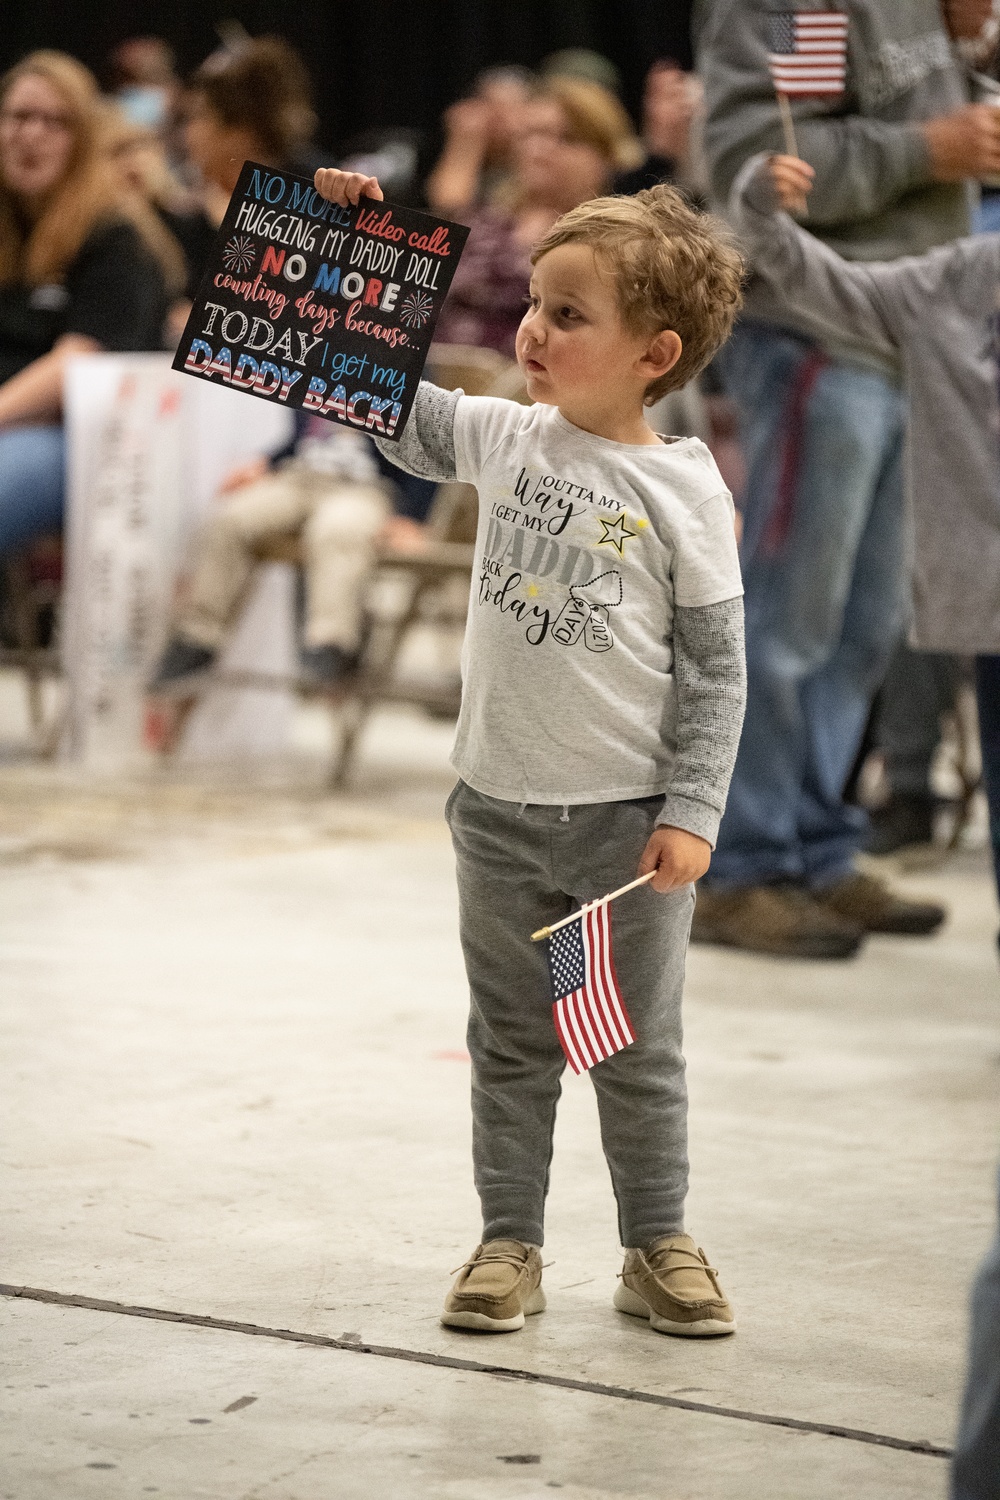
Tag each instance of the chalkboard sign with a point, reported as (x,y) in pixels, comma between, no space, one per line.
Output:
(315,306)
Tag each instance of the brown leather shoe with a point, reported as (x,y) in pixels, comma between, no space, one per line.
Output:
(498,1286)
(874,906)
(672,1284)
(778,919)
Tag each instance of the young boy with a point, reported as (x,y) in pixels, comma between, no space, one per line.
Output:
(602,704)
(939,315)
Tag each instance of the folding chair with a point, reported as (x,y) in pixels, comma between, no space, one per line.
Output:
(30,592)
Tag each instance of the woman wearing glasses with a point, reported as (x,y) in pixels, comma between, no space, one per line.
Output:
(76,276)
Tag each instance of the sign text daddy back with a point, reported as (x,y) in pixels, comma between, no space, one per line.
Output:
(312,305)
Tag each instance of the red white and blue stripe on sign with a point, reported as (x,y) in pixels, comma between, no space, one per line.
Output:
(808,56)
(590,1016)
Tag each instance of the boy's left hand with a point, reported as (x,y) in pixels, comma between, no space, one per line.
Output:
(678,857)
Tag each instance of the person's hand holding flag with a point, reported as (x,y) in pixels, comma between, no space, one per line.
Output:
(678,857)
(791,178)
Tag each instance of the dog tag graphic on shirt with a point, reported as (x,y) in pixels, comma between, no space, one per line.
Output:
(570,622)
(597,631)
(585,612)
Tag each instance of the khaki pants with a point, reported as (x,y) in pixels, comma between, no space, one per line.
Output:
(337,521)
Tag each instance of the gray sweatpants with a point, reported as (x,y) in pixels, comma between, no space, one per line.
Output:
(519,870)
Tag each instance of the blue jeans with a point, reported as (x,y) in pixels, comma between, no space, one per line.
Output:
(823,569)
(975,1473)
(32,484)
(987,217)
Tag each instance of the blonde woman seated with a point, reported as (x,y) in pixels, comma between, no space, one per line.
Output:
(79,272)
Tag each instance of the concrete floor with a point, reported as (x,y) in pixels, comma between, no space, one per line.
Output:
(236,1088)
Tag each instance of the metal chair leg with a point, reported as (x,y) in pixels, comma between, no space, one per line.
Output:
(36,701)
(353,715)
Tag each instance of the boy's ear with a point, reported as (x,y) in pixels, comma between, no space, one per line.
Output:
(662,353)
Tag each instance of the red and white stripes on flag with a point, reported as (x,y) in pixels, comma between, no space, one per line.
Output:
(590,1016)
(808,57)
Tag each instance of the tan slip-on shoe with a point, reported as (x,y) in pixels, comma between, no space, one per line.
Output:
(499,1285)
(672,1284)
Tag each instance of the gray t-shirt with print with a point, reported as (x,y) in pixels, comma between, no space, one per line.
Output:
(586,553)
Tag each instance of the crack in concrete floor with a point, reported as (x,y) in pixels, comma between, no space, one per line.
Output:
(447,1362)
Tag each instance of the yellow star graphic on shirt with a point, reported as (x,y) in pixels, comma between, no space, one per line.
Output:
(616,532)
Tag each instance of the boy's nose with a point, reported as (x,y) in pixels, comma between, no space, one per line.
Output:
(534,327)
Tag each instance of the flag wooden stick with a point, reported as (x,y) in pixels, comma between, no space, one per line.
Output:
(544,932)
(787,124)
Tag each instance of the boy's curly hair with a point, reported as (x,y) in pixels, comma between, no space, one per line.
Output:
(672,266)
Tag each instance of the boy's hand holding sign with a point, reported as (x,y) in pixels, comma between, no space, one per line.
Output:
(345,188)
(320,301)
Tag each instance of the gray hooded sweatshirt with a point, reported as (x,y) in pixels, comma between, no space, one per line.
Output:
(938,313)
(873,198)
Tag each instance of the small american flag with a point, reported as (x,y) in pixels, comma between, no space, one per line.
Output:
(591,1020)
(808,56)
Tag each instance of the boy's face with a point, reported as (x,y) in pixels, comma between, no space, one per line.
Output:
(572,346)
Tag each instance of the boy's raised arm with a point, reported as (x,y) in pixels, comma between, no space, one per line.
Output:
(427,444)
(873,302)
(833,295)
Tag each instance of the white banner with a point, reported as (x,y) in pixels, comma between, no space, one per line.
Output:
(147,450)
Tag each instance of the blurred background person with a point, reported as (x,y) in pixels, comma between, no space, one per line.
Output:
(479,134)
(975,1470)
(249,102)
(573,137)
(170,215)
(325,489)
(672,114)
(919,690)
(921,687)
(582,63)
(672,103)
(77,274)
(144,82)
(822,429)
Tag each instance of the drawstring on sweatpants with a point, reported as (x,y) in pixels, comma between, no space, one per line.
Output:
(563,818)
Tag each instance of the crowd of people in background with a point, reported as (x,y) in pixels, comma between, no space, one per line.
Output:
(109,202)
